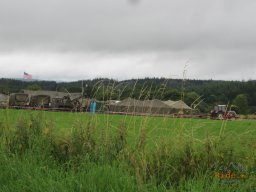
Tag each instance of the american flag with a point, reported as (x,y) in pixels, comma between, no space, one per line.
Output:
(27,76)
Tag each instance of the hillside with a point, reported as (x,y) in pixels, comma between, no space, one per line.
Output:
(240,93)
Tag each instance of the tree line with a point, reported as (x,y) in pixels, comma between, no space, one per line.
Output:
(199,94)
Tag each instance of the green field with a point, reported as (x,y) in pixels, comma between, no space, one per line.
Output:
(137,153)
(157,128)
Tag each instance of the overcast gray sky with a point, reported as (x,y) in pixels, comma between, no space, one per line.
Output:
(122,39)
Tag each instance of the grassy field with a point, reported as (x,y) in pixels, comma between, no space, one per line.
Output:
(101,152)
(157,128)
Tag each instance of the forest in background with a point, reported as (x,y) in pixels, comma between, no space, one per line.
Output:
(200,94)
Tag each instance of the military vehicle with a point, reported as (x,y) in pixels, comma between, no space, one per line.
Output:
(40,101)
(19,99)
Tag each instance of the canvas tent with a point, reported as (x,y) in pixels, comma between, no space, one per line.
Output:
(155,106)
(127,105)
(130,105)
(178,106)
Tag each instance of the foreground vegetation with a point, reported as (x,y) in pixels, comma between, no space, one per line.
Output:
(48,151)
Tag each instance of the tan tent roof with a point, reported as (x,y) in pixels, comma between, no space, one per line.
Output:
(129,102)
(169,102)
(110,102)
(146,103)
(177,104)
(154,103)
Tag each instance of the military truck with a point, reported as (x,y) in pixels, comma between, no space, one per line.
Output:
(42,101)
(19,99)
(61,102)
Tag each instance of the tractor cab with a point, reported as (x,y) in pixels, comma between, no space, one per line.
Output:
(219,108)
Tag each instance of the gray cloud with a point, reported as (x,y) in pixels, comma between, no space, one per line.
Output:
(145,38)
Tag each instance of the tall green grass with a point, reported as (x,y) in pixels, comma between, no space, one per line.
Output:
(116,157)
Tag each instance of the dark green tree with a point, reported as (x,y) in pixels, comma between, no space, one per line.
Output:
(191,97)
(241,101)
(33,87)
(172,94)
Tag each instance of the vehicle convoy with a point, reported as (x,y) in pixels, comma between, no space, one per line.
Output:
(44,99)
(220,112)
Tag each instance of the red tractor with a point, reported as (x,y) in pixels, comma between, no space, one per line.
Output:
(220,112)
